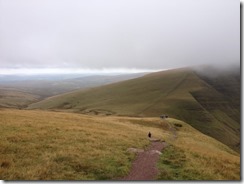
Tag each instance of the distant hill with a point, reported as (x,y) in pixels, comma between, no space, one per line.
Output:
(12,98)
(50,85)
(209,103)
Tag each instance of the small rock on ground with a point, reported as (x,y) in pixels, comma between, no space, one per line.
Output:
(135,150)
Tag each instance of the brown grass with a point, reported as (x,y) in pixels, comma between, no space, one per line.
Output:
(39,145)
(42,145)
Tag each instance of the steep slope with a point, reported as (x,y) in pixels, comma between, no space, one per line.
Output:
(179,93)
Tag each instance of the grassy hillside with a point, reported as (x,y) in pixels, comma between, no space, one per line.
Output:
(180,93)
(41,145)
(195,156)
(13,98)
(134,97)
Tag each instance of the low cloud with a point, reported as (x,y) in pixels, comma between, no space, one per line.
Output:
(32,71)
(138,34)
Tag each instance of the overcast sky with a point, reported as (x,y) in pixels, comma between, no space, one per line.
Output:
(127,34)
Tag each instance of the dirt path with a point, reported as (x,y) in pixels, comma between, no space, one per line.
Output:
(173,133)
(144,167)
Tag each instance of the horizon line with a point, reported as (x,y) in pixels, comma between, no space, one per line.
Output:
(56,71)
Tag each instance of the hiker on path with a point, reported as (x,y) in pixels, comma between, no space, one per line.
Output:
(149,134)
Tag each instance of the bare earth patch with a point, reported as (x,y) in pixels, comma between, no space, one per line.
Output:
(144,167)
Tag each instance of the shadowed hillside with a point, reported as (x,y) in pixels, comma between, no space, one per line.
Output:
(180,93)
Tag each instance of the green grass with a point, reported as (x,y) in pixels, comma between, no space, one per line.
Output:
(179,93)
(194,156)
(172,166)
